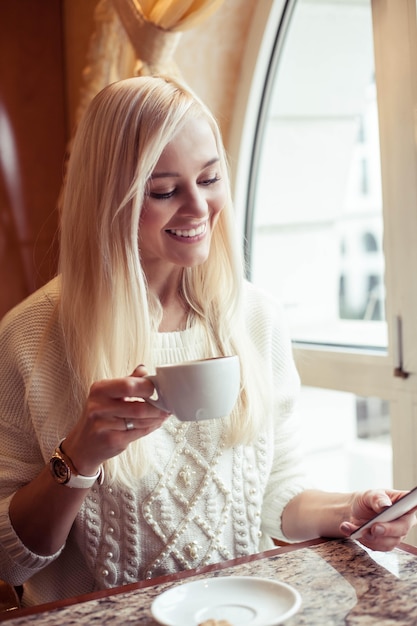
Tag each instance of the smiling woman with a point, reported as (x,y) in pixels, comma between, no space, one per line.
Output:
(132,491)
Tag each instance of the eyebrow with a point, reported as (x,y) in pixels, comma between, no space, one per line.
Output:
(176,174)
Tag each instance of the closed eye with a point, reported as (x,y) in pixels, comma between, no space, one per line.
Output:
(164,195)
(210,181)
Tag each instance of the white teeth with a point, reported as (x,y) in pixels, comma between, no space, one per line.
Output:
(189,233)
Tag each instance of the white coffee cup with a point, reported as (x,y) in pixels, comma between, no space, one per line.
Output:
(197,390)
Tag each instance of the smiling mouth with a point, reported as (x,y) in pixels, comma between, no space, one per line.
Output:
(192,232)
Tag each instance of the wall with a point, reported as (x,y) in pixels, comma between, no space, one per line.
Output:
(32,143)
(210,57)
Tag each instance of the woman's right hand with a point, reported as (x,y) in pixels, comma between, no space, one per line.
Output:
(99,434)
(116,413)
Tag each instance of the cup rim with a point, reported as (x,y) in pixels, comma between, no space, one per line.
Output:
(196,361)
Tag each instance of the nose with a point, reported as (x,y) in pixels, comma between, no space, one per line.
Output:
(195,202)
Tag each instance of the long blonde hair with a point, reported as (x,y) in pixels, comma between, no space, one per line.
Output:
(107,314)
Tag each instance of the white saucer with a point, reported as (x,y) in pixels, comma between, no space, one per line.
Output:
(242,600)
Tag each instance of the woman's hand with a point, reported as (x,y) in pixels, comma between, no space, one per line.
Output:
(381,536)
(116,413)
(314,513)
(99,434)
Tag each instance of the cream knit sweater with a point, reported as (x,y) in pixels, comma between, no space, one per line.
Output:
(203,503)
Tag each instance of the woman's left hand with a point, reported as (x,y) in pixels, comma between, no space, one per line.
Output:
(382,536)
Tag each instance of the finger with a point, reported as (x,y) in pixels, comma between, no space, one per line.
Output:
(381,544)
(140,428)
(375,500)
(145,419)
(388,535)
(127,423)
(397,528)
(113,413)
(120,388)
(140,371)
(346,528)
(120,407)
(139,414)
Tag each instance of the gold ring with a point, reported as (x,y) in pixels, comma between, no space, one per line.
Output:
(129,425)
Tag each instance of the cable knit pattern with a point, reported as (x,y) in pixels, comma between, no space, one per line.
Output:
(200,503)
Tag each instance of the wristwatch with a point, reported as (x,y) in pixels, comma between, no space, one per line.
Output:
(65,473)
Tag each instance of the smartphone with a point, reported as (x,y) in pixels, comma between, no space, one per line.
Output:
(402,506)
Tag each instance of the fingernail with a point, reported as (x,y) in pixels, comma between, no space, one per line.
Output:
(345,528)
(384,503)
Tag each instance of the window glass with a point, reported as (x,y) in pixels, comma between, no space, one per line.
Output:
(315,229)
(346,440)
(315,225)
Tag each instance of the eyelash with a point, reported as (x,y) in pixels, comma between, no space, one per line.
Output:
(169,194)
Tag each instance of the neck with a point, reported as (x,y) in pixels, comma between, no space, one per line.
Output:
(175,315)
(167,290)
(175,310)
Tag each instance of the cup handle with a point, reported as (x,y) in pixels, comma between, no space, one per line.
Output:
(158,401)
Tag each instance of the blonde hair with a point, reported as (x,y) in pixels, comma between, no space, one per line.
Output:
(106,311)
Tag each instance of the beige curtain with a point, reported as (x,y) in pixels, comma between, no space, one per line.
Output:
(137,37)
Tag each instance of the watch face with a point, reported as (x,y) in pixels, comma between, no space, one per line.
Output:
(60,470)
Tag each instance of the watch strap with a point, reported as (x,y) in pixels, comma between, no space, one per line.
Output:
(73,477)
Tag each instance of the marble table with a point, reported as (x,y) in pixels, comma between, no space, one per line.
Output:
(340,583)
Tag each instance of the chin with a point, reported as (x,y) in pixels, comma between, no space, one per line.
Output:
(195,261)
(190,265)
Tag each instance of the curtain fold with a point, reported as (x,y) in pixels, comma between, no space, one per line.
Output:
(137,37)
(177,14)
(154,45)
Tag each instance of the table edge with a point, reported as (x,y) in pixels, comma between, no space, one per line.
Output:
(96,595)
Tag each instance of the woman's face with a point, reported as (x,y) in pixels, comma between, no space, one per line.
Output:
(185,196)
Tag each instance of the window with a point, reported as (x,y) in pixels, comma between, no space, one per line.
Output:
(329,217)
(315,179)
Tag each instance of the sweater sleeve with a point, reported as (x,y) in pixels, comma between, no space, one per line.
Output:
(17,563)
(21,458)
(288,476)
